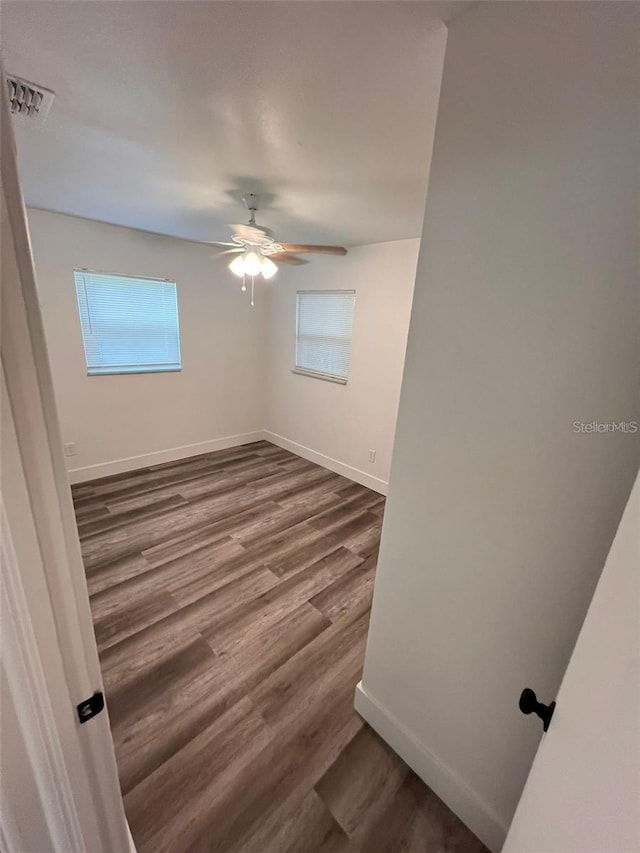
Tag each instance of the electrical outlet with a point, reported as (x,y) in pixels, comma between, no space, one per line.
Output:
(372,456)
(70,449)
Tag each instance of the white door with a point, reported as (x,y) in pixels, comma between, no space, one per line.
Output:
(583,791)
(59,781)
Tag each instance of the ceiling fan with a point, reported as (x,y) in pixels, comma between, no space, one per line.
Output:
(257,253)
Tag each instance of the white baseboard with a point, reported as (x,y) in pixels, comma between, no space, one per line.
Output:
(132,845)
(329,462)
(131,463)
(454,791)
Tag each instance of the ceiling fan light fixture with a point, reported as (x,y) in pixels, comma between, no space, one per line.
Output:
(257,248)
(237,266)
(251,263)
(268,268)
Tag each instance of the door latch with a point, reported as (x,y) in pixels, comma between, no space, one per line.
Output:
(90,707)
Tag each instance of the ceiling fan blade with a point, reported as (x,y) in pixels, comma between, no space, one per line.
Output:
(319,250)
(284,258)
(251,233)
(228,252)
(219,243)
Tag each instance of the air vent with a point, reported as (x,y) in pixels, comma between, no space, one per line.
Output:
(28,99)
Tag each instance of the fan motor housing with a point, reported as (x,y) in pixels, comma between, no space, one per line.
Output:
(250,201)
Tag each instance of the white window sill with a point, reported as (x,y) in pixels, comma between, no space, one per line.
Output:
(130,371)
(327,377)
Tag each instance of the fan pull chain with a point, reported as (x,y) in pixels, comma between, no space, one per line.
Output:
(244,286)
(252,291)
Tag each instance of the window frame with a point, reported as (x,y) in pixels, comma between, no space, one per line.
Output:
(319,374)
(158,367)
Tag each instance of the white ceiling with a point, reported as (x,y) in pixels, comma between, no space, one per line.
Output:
(166,112)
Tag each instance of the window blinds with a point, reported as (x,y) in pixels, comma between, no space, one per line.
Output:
(129,324)
(323,332)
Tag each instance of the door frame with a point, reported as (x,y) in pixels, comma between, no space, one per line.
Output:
(89,813)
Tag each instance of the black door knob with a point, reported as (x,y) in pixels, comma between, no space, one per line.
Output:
(529,705)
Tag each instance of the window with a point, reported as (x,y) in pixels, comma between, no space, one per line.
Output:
(323,333)
(129,324)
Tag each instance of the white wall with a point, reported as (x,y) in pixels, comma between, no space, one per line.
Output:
(236,361)
(336,425)
(583,792)
(525,319)
(217,398)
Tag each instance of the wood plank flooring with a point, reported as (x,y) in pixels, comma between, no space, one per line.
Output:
(230,594)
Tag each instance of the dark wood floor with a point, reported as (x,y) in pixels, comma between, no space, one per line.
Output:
(230,594)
